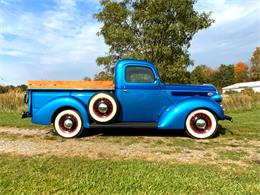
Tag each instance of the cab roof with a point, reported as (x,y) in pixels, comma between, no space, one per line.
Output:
(122,62)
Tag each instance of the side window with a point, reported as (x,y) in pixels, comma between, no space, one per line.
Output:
(138,74)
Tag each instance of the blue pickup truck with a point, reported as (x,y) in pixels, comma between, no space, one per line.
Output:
(137,99)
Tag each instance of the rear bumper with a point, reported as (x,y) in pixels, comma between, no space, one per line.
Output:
(26,115)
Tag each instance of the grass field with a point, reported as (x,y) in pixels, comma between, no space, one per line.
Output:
(74,175)
(13,119)
(130,162)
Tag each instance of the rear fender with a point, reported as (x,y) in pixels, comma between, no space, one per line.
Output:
(175,116)
(44,115)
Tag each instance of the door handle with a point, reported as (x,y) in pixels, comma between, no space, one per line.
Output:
(125,90)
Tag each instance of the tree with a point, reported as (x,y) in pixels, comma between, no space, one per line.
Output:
(224,76)
(255,69)
(156,30)
(7,88)
(22,87)
(102,76)
(3,89)
(241,72)
(208,71)
(201,74)
(87,78)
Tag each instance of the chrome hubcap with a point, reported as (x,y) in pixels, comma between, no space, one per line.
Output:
(201,124)
(68,124)
(102,108)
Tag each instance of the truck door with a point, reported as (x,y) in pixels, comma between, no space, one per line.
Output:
(141,94)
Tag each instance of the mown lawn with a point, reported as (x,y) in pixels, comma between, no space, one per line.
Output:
(245,125)
(74,175)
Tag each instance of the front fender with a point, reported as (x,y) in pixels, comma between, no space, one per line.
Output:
(174,117)
(44,115)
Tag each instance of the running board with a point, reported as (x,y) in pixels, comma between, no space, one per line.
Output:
(125,125)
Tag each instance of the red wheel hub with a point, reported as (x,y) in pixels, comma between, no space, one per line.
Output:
(68,123)
(105,101)
(202,117)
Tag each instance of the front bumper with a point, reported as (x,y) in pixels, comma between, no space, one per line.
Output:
(229,118)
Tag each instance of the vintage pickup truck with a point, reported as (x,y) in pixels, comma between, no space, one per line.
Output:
(136,98)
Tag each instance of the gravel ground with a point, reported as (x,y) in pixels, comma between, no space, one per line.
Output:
(96,145)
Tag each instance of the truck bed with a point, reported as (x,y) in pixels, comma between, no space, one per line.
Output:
(46,84)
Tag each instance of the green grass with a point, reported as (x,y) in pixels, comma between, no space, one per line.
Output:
(231,155)
(13,119)
(73,175)
(245,125)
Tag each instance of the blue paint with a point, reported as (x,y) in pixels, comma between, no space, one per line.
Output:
(174,117)
(46,112)
(167,105)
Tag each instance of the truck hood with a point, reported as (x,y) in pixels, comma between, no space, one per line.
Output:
(176,92)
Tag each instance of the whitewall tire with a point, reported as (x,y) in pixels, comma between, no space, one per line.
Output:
(68,124)
(103,107)
(201,124)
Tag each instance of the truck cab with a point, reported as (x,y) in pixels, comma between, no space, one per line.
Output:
(136,98)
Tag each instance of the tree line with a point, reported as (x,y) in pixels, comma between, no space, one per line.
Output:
(226,75)
(7,88)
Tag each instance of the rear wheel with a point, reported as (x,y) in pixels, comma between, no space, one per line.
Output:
(201,124)
(68,124)
(103,107)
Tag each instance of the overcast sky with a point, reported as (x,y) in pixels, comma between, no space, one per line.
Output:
(56,39)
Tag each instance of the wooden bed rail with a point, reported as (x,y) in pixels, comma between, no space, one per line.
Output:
(45,84)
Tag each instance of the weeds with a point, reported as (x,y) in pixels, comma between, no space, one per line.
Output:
(12,101)
(239,102)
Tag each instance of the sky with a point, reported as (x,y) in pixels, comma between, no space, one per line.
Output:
(57,39)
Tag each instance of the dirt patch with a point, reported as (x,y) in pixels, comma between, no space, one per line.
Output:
(155,148)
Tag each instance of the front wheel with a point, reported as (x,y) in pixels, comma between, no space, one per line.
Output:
(68,124)
(201,124)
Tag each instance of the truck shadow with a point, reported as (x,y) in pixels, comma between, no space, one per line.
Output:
(128,132)
(222,131)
